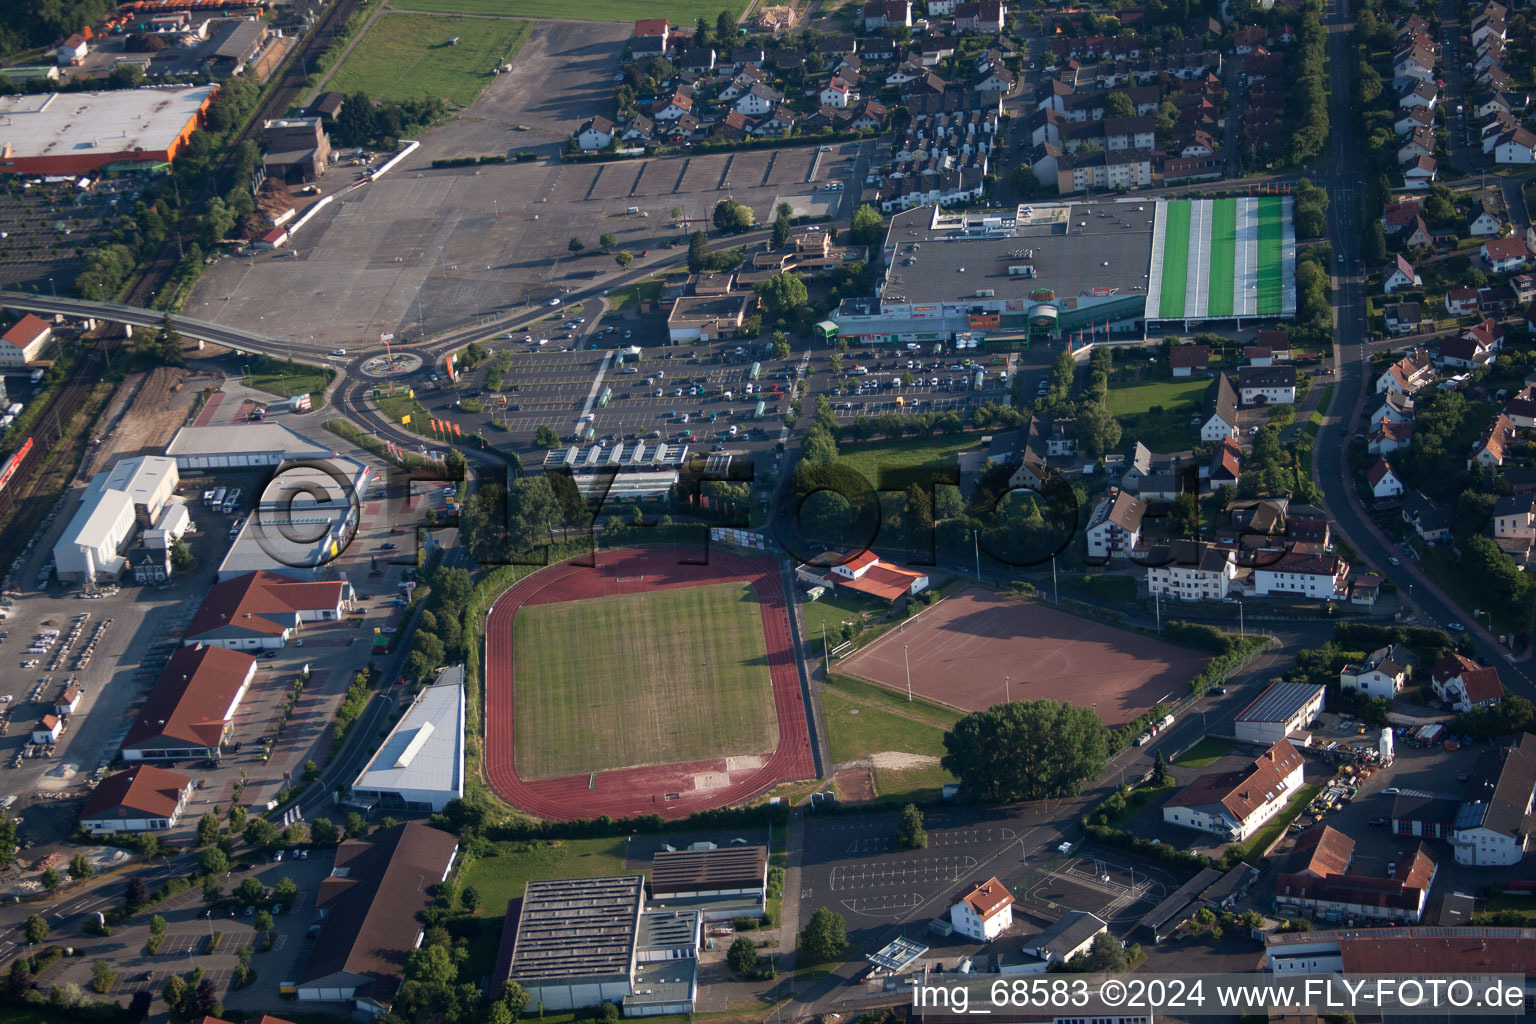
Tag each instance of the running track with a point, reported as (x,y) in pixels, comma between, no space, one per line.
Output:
(635,791)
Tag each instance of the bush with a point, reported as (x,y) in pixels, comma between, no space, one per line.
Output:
(744,923)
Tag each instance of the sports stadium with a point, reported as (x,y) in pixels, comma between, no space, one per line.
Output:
(1079,271)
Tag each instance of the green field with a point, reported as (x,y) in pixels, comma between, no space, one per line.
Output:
(869,460)
(679,12)
(1175,258)
(831,611)
(1138,398)
(651,678)
(1270,211)
(285,379)
(1223,257)
(1205,753)
(409,56)
(862,719)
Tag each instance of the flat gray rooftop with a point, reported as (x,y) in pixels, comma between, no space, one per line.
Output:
(577,928)
(1087,249)
(1279,702)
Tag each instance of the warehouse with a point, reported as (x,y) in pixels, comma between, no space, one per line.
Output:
(242,446)
(584,941)
(262,610)
(1280,711)
(192,707)
(304,518)
(117,503)
(721,882)
(85,132)
(142,799)
(420,766)
(368,909)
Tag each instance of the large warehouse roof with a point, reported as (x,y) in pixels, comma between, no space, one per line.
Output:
(193,698)
(73,124)
(725,867)
(246,437)
(577,928)
(112,494)
(1279,703)
(1088,249)
(425,750)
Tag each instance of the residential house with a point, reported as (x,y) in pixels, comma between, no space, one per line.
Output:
(983,911)
(1423,94)
(1394,407)
(1219,415)
(1190,570)
(1188,360)
(1492,826)
(1503,255)
(1484,222)
(1420,172)
(1414,371)
(779,123)
(1388,437)
(1516,147)
(640,129)
(758,100)
(1461,300)
(869,116)
(1400,216)
(1266,385)
(1323,576)
(1463,685)
(1234,805)
(1406,318)
(880,13)
(1514,516)
(1465,350)
(1488,450)
(1431,522)
(596,133)
(72,50)
(1383,480)
(1115,526)
(984,16)
(1401,276)
(678,105)
(1383,674)
(1421,142)
(1413,117)
(839,93)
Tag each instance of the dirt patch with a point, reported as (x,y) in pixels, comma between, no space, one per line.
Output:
(144,414)
(854,785)
(896,761)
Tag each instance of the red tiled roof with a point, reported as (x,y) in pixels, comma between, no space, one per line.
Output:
(188,703)
(25,331)
(1379,472)
(1505,248)
(1451,951)
(651,27)
(1320,852)
(886,582)
(1191,356)
(145,791)
(1243,792)
(987,898)
(261,602)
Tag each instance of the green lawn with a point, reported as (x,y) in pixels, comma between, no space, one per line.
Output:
(409,56)
(1139,398)
(1270,211)
(398,406)
(831,611)
(1265,837)
(856,729)
(286,379)
(1175,257)
(633,294)
(1102,586)
(1223,256)
(1469,593)
(888,457)
(502,877)
(679,12)
(1205,753)
(648,678)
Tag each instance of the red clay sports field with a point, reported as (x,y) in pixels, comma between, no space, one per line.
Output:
(670,790)
(960,649)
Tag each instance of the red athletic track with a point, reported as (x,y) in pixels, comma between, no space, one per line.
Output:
(633,791)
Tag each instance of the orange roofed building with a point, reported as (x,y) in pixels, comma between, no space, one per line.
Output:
(866,574)
(984,911)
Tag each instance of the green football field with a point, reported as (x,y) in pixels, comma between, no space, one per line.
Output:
(652,678)
(1270,210)
(1223,257)
(1175,258)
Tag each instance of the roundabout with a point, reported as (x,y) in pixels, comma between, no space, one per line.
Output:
(397,364)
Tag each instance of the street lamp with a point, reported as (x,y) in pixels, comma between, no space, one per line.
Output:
(905,661)
(1007,693)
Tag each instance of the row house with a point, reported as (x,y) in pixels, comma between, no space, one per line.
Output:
(1189,570)
(1125,168)
(1412,118)
(1322,576)
(933,187)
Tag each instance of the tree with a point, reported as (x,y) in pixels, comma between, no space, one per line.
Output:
(781,228)
(698,252)
(206,998)
(469,899)
(1098,433)
(742,956)
(262,922)
(175,995)
(677,213)
(732,217)
(725,27)
(782,295)
(51,880)
(261,833)
(250,891)
(544,436)
(608,239)
(149,845)
(208,829)
(285,890)
(80,868)
(20,979)
(213,890)
(623,257)
(323,832)
(356,825)
(455,465)
(575,244)
(1118,104)
(181,556)
(910,834)
(1159,770)
(1024,182)
(780,348)
(1027,750)
(213,862)
(35,930)
(137,892)
(868,227)
(354,122)
(825,938)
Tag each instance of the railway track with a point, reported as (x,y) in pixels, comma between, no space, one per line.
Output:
(48,428)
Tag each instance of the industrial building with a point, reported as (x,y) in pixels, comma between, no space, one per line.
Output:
(1282,710)
(1086,270)
(304,518)
(142,799)
(24,341)
(420,766)
(584,941)
(117,503)
(192,707)
(298,149)
(242,446)
(262,610)
(721,882)
(87,132)
(369,909)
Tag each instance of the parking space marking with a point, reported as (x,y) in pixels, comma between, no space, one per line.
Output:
(876,875)
(888,905)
